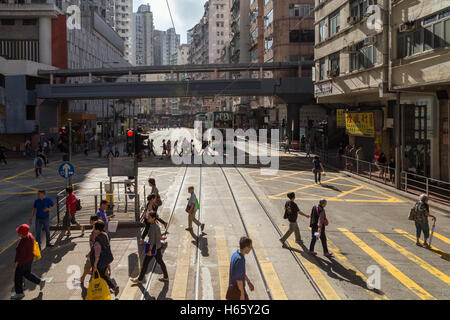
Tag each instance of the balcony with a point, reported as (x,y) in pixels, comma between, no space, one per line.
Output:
(20,50)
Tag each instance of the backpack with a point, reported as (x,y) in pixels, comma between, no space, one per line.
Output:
(413,213)
(79,207)
(287,210)
(39,162)
(314,217)
(106,257)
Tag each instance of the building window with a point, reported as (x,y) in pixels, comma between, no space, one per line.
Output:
(358,8)
(218,33)
(266,2)
(322,30)
(268,19)
(363,57)
(31,112)
(7,22)
(254,35)
(254,54)
(300,58)
(333,63)
(301,36)
(432,32)
(301,10)
(333,23)
(322,69)
(29,22)
(268,44)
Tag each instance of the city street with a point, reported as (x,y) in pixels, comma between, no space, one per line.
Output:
(368,232)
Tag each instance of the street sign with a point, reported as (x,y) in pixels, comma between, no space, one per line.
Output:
(66,170)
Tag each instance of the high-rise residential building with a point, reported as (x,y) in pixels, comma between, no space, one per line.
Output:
(218,28)
(143,39)
(172,44)
(123,25)
(240,31)
(165,44)
(388,68)
(47,43)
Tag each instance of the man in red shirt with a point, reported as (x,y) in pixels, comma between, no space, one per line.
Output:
(71,209)
(24,259)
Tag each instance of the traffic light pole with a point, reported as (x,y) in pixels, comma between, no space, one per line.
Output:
(70,146)
(136,185)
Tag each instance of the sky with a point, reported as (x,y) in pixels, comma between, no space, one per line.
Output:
(185,13)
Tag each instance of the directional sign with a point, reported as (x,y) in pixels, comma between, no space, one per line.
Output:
(66,170)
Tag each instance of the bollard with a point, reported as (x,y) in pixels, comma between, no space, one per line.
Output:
(96,203)
(137,208)
(101,191)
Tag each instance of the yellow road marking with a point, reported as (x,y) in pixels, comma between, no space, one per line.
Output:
(343,194)
(9,245)
(23,186)
(434,249)
(314,271)
(404,279)
(270,275)
(223,260)
(301,188)
(17,175)
(282,176)
(345,263)
(441,237)
(423,264)
(181,274)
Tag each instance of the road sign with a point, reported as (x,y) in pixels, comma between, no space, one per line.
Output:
(66,170)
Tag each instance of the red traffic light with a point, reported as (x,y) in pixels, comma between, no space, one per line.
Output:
(130,133)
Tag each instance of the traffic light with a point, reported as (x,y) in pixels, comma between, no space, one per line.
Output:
(64,135)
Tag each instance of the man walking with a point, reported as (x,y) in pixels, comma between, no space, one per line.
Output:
(153,250)
(101,213)
(317,224)
(71,207)
(318,166)
(238,276)
(151,148)
(24,259)
(38,163)
(291,213)
(191,209)
(42,207)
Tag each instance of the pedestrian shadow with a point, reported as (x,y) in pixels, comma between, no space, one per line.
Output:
(200,242)
(334,269)
(328,186)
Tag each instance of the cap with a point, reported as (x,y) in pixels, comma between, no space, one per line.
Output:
(23,230)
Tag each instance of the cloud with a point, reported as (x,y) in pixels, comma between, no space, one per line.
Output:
(185,13)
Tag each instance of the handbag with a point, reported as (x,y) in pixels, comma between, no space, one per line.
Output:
(36,251)
(233,292)
(98,288)
(325,220)
(412,214)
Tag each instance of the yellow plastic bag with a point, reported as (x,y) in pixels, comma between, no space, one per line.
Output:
(36,251)
(98,288)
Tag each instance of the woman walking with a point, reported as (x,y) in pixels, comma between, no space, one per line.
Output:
(422,211)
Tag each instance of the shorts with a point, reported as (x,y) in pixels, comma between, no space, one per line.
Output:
(66,222)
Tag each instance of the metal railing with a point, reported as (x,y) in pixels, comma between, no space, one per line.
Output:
(436,189)
(373,171)
(20,49)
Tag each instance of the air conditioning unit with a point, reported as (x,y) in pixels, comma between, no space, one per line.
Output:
(333,72)
(352,19)
(408,26)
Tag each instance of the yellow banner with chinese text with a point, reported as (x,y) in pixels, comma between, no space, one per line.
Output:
(360,124)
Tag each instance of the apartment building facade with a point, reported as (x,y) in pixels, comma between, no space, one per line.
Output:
(385,63)
(143,35)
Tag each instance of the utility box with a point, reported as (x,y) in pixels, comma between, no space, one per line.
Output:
(109,189)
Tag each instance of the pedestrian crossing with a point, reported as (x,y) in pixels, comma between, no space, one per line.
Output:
(394,257)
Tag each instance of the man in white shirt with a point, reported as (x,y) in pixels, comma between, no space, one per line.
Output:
(191,209)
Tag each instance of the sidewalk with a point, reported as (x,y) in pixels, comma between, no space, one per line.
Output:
(63,264)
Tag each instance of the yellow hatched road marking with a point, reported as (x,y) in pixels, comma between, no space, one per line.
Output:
(434,249)
(441,237)
(282,176)
(8,245)
(223,260)
(404,279)
(304,187)
(343,194)
(423,264)
(180,280)
(315,273)
(270,275)
(345,263)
